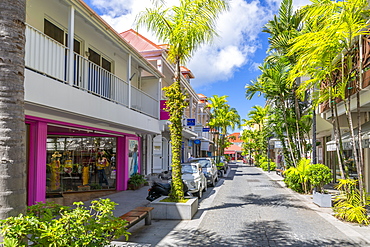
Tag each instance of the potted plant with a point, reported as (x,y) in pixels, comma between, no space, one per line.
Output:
(136,181)
(319,175)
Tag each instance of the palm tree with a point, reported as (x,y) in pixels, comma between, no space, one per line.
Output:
(12,129)
(324,49)
(273,83)
(258,130)
(222,118)
(184,28)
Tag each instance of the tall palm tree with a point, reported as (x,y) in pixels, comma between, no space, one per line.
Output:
(331,29)
(216,103)
(273,83)
(12,128)
(184,27)
(222,118)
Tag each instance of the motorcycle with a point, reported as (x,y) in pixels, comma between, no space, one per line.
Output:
(157,190)
(162,189)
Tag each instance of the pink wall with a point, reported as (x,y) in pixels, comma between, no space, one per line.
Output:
(37,156)
(37,162)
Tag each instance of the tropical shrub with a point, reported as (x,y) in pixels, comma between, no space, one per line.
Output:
(349,205)
(299,175)
(265,166)
(49,224)
(292,182)
(259,159)
(137,179)
(319,175)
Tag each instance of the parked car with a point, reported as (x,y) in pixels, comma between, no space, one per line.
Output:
(194,178)
(209,169)
(222,165)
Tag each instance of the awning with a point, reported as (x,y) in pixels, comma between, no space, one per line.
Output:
(188,134)
(233,149)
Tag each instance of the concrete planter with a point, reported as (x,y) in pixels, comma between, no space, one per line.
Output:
(322,200)
(173,210)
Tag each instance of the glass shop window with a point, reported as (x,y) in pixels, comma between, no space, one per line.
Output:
(80,164)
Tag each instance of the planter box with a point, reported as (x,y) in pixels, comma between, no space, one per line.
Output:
(322,200)
(134,187)
(173,210)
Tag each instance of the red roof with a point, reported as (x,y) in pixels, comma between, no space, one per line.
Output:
(234,148)
(237,139)
(140,42)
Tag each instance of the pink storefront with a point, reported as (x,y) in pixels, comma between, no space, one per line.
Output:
(72,160)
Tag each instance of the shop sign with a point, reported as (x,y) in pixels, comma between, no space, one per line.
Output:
(163,114)
(198,128)
(196,141)
(190,122)
(205,129)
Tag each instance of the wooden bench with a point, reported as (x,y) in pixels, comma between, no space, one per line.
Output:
(136,215)
(279,172)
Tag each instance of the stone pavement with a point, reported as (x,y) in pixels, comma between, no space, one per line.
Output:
(166,232)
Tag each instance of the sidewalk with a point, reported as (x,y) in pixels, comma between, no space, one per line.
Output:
(163,232)
(351,230)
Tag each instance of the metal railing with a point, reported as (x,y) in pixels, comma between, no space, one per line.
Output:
(48,57)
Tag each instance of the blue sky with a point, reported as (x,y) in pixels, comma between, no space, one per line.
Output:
(231,61)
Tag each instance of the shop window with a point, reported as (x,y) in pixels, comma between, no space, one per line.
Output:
(80,164)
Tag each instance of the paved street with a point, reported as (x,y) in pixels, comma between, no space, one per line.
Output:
(252,210)
(249,208)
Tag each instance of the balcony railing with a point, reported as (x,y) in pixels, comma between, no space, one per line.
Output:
(47,56)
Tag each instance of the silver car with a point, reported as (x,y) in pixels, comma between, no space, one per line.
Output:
(209,169)
(193,177)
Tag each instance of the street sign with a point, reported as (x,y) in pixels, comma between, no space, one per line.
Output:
(190,122)
(205,129)
(196,141)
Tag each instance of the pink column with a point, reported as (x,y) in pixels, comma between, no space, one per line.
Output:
(37,163)
(121,154)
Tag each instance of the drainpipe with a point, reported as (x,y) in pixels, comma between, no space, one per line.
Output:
(71,27)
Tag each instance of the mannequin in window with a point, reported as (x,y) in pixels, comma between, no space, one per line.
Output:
(101,164)
(55,170)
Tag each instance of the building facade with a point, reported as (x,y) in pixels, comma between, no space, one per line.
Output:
(91,103)
(196,137)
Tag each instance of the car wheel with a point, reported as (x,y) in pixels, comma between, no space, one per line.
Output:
(205,188)
(221,173)
(200,193)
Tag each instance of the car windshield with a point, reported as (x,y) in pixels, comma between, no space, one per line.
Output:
(188,168)
(204,163)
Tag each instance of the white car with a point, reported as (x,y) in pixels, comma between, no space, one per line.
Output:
(193,177)
(209,169)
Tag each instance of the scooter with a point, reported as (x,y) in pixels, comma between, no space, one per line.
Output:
(157,190)
(162,189)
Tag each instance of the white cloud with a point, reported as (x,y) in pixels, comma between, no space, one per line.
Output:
(237,42)
(238,30)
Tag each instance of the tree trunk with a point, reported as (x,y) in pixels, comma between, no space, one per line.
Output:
(176,104)
(13,175)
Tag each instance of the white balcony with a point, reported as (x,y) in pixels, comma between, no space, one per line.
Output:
(48,57)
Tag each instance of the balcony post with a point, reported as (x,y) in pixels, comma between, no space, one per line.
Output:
(129,80)
(160,68)
(70,63)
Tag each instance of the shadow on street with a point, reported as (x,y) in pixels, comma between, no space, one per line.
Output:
(265,233)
